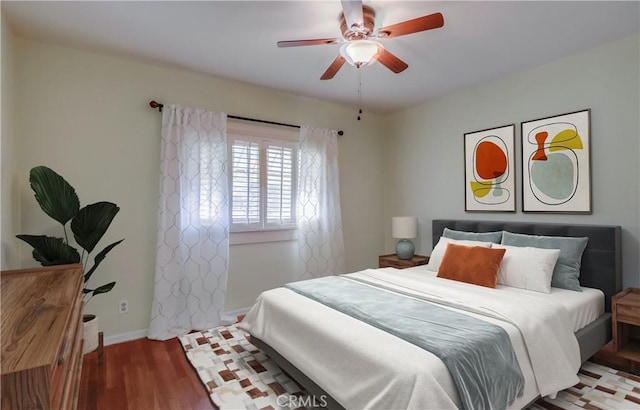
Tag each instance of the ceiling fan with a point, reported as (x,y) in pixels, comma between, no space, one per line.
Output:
(359,43)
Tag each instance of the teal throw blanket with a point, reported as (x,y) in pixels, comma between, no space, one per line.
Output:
(479,355)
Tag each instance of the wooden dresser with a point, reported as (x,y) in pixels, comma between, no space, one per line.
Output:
(41,337)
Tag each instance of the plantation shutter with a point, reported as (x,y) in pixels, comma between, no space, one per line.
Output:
(263,178)
(245,189)
(280,198)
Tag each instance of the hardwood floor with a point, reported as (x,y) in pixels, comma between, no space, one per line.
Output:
(142,375)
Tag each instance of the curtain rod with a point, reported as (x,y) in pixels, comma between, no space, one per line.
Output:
(154,104)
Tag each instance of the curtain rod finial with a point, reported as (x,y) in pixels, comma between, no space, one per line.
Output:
(154,104)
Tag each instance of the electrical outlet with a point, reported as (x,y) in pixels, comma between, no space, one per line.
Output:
(123,306)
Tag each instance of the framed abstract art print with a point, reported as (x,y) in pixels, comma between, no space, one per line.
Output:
(489,170)
(556,165)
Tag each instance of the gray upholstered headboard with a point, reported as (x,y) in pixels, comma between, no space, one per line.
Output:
(601,261)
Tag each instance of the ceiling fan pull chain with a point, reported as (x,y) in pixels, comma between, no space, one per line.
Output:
(359,92)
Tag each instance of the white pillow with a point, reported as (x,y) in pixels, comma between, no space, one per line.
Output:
(438,251)
(526,267)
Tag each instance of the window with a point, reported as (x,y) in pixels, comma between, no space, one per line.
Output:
(263,176)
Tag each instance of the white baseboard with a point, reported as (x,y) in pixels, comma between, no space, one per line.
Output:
(227,318)
(125,337)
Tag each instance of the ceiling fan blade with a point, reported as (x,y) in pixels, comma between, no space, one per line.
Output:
(390,61)
(333,68)
(352,10)
(416,25)
(296,43)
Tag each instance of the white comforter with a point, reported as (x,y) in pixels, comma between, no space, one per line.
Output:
(363,367)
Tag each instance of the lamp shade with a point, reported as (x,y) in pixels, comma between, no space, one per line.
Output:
(404,227)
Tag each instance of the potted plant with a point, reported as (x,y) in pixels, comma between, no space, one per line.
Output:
(59,200)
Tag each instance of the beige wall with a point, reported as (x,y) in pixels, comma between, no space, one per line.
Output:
(425,171)
(10,154)
(87,117)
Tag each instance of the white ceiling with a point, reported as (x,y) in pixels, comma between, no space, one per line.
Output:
(479,42)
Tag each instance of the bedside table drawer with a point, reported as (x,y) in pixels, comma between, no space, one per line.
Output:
(628,314)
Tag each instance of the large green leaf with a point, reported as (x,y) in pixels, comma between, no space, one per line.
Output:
(102,289)
(56,197)
(91,222)
(51,251)
(99,257)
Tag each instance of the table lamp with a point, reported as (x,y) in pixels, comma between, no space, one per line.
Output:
(404,228)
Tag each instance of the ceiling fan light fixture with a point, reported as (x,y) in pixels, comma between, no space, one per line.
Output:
(359,53)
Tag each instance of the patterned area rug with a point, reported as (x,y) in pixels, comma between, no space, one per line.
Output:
(600,387)
(238,375)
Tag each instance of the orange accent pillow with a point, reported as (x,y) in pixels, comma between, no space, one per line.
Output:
(471,264)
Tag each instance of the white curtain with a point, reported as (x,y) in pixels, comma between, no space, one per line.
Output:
(319,219)
(192,257)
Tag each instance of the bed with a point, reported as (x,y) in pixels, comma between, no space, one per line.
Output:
(351,364)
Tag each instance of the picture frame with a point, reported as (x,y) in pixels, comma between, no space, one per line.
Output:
(556,164)
(489,170)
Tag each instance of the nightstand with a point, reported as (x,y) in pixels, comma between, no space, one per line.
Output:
(392,261)
(626,324)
